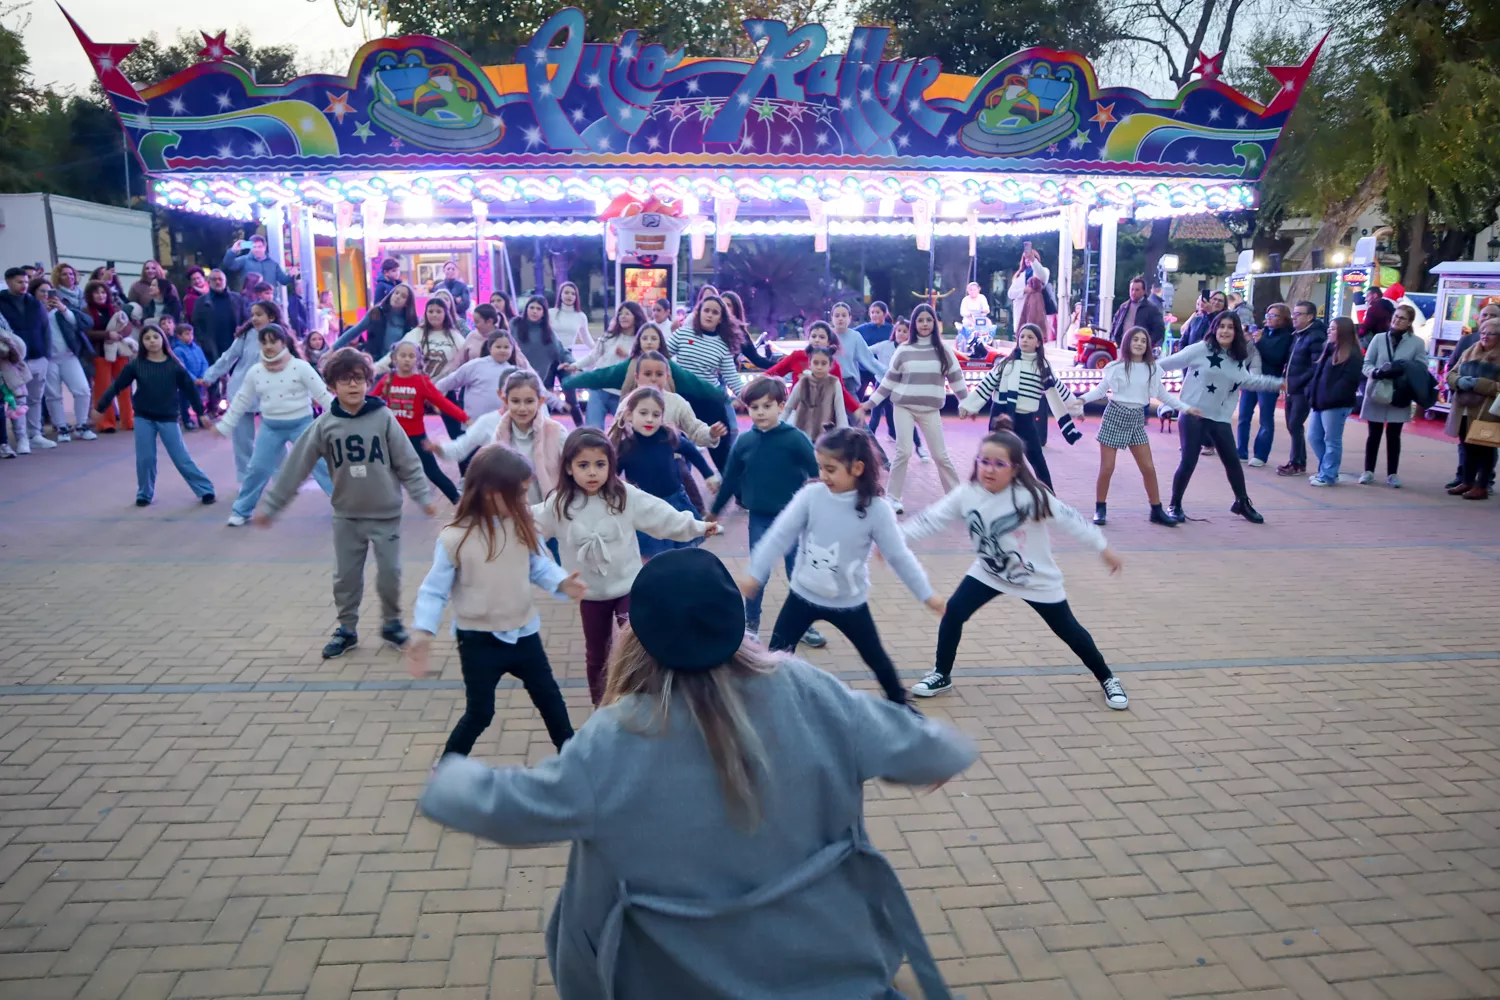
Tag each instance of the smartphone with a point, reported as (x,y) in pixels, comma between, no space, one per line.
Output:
(1026,246)
(110,264)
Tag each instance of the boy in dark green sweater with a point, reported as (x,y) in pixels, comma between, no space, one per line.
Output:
(766,468)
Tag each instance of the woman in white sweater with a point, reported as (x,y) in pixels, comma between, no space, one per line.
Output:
(287,388)
(1131,382)
(915,385)
(595,515)
(569,321)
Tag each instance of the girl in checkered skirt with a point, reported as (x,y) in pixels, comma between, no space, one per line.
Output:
(1131,382)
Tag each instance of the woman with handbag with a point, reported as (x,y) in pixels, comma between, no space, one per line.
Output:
(1474,410)
(1387,405)
(1336,376)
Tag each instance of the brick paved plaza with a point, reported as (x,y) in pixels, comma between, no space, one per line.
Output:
(1302,801)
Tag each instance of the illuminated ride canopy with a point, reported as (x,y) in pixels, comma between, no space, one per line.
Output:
(798,140)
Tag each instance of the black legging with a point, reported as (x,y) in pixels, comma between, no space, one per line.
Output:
(1195,432)
(485,660)
(435,475)
(1029,428)
(973,594)
(1392,447)
(797,616)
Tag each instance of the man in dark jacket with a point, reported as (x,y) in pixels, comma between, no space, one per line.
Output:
(249,257)
(1138,310)
(1275,347)
(1308,337)
(28,320)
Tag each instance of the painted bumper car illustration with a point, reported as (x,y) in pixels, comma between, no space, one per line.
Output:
(1025,113)
(430,106)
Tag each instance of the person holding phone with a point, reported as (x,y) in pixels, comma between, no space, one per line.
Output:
(68,348)
(248,257)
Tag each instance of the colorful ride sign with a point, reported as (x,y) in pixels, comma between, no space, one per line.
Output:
(418,102)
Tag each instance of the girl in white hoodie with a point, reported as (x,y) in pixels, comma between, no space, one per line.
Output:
(594,516)
(287,388)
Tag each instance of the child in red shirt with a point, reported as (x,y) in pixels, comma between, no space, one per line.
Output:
(819,334)
(406,391)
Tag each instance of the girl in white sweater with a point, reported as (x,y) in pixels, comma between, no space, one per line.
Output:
(1010,515)
(287,388)
(914,383)
(1131,382)
(594,515)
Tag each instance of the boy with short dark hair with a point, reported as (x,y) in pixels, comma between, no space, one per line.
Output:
(766,467)
(194,360)
(369,458)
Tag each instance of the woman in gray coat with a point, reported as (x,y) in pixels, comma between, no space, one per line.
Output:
(715,809)
(1385,362)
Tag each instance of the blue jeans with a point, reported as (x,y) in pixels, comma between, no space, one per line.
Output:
(270,448)
(759,525)
(602,402)
(146,433)
(1267,403)
(1325,435)
(243,438)
(652,546)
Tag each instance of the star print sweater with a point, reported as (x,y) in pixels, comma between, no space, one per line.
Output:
(1013,547)
(1212,380)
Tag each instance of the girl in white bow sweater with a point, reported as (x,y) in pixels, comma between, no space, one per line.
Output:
(594,515)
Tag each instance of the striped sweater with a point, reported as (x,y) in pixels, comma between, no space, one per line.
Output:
(1016,386)
(706,356)
(915,379)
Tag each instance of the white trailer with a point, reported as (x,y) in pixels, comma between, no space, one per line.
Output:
(50,229)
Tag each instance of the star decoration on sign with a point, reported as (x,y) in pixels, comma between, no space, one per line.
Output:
(1052,149)
(1240,120)
(653,143)
(903,140)
(338,105)
(224,101)
(677,110)
(1291,79)
(950,140)
(1215,113)
(766,110)
(215,49)
(822,139)
(367,81)
(533,136)
(692,86)
(362,131)
(176,105)
(576,114)
(1192,156)
(705,110)
(107,60)
(627,52)
(1209,67)
(742,99)
(1104,114)
(591,81)
(396,142)
(1079,140)
(787,138)
(794,112)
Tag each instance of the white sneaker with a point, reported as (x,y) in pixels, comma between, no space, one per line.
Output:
(235,521)
(1366,478)
(63,437)
(1256,463)
(6,451)
(86,435)
(1394,482)
(1320,481)
(42,443)
(23,446)
(896,505)
(1114,695)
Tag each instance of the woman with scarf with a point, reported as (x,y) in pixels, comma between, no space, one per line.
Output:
(1387,405)
(1028,295)
(1474,410)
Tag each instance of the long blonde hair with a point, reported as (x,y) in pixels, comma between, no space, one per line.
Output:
(716,702)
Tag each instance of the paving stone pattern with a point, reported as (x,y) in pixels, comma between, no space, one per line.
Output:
(1301,802)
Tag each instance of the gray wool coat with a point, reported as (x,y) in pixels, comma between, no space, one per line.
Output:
(666,897)
(1409,348)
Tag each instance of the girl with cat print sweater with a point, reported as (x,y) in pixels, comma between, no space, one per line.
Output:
(1010,515)
(834,523)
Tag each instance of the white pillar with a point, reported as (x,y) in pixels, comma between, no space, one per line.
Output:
(1064,274)
(308,261)
(273,219)
(1109,234)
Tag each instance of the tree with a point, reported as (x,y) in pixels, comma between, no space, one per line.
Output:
(154,60)
(970,36)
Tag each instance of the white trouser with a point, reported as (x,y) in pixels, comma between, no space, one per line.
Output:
(67,370)
(36,389)
(931,423)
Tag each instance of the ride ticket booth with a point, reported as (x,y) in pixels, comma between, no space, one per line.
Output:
(643,240)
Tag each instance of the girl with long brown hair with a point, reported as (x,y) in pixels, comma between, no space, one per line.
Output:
(485,563)
(1010,513)
(715,810)
(1331,391)
(596,518)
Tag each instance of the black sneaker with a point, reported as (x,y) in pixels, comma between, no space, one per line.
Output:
(812,637)
(142,502)
(1114,695)
(1101,514)
(395,634)
(343,640)
(933,683)
(1243,509)
(1176,513)
(207,499)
